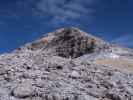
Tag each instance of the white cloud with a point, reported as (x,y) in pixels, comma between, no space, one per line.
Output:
(56,7)
(77,8)
(67,9)
(60,11)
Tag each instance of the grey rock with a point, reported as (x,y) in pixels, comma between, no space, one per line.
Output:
(24,90)
(75,74)
(2,70)
(88,97)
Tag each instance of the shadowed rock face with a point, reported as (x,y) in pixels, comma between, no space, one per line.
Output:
(73,44)
(70,42)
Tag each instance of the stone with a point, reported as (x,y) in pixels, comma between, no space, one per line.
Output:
(23,91)
(129,90)
(113,96)
(75,74)
(88,97)
(2,70)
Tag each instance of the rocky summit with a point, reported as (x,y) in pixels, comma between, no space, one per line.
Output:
(67,64)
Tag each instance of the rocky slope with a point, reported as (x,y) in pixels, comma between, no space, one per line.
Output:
(65,65)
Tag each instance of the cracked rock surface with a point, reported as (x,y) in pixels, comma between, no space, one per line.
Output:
(38,71)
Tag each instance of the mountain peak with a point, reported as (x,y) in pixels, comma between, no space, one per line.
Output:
(41,71)
(68,42)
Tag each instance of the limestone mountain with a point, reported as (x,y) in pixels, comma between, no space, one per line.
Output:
(68,42)
(67,64)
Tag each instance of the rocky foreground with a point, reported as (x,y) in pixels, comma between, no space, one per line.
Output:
(61,66)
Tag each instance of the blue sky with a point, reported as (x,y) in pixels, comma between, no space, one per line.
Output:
(22,21)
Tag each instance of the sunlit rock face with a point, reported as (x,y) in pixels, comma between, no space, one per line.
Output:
(67,64)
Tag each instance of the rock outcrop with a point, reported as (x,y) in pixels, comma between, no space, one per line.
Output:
(69,42)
